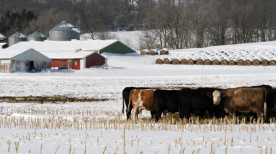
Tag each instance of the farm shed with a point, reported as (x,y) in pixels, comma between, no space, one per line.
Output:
(22,60)
(17,37)
(74,59)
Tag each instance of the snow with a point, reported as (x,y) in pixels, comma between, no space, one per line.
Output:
(61,127)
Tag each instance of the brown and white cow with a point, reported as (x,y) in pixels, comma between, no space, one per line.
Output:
(140,99)
(243,100)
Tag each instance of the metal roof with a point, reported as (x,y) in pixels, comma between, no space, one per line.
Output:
(18,35)
(37,34)
(65,26)
(2,37)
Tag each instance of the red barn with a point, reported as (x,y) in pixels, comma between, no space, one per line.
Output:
(75,59)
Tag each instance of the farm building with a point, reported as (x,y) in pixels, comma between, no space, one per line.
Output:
(17,37)
(99,46)
(36,36)
(22,60)
(64,31)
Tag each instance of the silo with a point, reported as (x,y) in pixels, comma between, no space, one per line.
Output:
(36,36)
(64,31)
(2,38)
(16,37)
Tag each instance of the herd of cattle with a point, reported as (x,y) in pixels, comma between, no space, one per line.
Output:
(214,101)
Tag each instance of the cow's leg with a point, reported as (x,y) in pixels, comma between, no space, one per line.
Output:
(136,112)
(129,112)
(152,113)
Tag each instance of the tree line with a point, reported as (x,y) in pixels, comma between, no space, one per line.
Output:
(173,24)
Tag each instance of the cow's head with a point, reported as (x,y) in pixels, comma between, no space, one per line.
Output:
(216,97)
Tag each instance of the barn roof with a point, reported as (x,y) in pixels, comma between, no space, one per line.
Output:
(67,54)
(87,45)
(8,54)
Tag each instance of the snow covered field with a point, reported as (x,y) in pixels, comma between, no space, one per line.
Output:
(98,127)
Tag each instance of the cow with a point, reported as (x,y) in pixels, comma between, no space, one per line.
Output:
(165,100)
(197,100)
(140,99)
(125,95)
(244,99)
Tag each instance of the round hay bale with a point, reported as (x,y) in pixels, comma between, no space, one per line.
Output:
(175,61)
(143,52)
(256,62)
(232,62)
(164,52)
(247,62)
(224,62)
(166,61)
(272,62)
(215,62)
(207,62)
(184,61)
(199,62)
(265,62)
(159,61)
(191,62)
(240,62)
(153,52)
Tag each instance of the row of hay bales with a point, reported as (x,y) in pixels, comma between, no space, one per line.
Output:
(163,51)
(240,62)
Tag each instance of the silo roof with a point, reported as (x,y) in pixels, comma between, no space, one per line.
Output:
(2,37)
(65,26)
(18,35)
(37,34)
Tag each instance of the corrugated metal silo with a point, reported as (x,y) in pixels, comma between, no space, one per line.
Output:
(2,37)
(17,37)
(64,31)
(36,36)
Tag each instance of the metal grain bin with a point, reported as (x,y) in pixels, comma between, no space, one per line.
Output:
(36,36)
(2,38)
(64,31)
(17,37)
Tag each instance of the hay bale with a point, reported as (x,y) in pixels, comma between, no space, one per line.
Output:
(207,62)
(265,62)
(240,62)
(215,62)
(184,61)
(153,52)
(191,62)
(175,61)
(166,61)
(272,62)
(256,62)
(164,51)
(224,62)
(159,61)
(247,62)
(199,62)
(144,52)
(232,62)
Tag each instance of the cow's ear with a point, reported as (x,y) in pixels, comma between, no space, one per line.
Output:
(210,95)
(223,94)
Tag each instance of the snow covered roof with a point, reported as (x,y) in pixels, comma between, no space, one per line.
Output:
(37,34)
(8,54)
(2,37)
(65,26)
(73,45)
(67,54)
(18,35)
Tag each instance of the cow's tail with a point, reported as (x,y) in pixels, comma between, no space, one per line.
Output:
(123,103)
(265,110)
(265,105)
